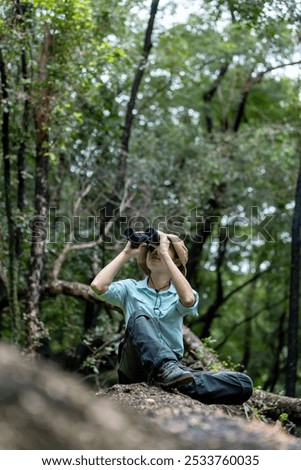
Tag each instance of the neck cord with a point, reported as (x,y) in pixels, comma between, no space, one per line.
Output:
(161,288)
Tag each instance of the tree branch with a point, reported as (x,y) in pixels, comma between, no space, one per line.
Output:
(244,284)
(250,82)
(209,94)
(248,318)
(125,202)
(77,290)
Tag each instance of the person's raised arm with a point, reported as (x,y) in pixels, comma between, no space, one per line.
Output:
(180,282)
(104,278)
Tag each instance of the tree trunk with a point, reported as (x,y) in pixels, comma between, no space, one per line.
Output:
(273,406)
(129,118)
(35,329)
(12,259)
(206,358)
(248,329)
(273,376)
(209,94)
(21,154)
(219,293)
(293,323)
(195,253)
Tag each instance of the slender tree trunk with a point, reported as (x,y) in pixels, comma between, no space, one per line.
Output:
(293,323)
(195,254)
(276,365)
(21,154)
(248,330)
(219,294)
(35,329)
(209,94)
(129,118)
(12,259)
(210,216)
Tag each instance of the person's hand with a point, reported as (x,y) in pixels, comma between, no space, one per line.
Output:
(130,251)
(163,247)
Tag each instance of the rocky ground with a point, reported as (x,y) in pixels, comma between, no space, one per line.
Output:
(206,426)
(43,407)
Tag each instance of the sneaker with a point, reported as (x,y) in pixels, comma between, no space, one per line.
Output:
(172,373)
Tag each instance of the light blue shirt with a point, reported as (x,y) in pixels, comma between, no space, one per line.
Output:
(131,296)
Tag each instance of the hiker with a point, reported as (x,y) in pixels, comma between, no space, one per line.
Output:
(154,308)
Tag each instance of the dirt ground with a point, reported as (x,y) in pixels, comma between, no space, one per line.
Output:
(219,426)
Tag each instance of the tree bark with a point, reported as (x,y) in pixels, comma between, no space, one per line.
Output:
(293,322)
(35,328)
(73,289)
(12,259)
(273,406)
(21,154)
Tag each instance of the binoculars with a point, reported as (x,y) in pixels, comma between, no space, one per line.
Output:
(150,237)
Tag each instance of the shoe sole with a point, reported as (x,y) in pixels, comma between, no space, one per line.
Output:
(183,380)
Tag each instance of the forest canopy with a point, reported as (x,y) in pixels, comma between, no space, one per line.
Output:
(184,116)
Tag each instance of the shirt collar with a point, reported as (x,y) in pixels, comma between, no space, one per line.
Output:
(143,285)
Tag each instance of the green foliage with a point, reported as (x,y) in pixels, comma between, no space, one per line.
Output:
(176,167)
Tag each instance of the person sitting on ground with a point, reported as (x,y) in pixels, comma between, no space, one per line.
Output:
(154,307)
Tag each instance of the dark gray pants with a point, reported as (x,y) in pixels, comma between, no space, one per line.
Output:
(142,352)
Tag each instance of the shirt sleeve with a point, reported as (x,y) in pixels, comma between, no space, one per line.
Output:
(115,295)
(193,310)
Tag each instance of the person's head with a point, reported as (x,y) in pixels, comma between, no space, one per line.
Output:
(148,258)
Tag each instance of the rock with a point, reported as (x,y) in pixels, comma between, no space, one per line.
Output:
(207,426)
(42,407)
